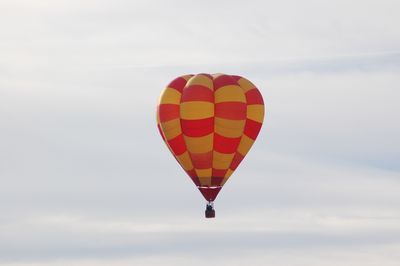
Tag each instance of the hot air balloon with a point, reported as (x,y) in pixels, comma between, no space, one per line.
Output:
(209,123)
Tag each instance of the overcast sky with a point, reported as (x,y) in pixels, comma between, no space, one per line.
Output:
(86,179)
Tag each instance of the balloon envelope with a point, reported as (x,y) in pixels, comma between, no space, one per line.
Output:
(209,123)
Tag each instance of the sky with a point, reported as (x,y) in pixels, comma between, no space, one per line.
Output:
(86,179)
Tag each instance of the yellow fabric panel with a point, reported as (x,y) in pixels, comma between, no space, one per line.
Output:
(196,110)
(245,145)
(222,160)
(229,128)
(171,128)
(205,181)
(245,84)
(227,175)
(204,172)
(199,144)
(185,161)
(229,93)
(255,112)
(170,96)
(201,80)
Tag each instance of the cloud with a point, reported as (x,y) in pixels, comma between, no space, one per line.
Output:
(153,33)
(86,180)
(291,205)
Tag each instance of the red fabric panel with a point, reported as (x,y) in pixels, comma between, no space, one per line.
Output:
(216,181)
(168,112)
(177,84)
(202,160)
(254,97)
(231,110)
(223,80)
(197,128)
(192,174)
(236,161)
(177,145)
(252,128)
(219,172)
(224,144)
(197,93)
(236,78)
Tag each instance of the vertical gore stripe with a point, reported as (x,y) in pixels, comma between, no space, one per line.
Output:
(209,123)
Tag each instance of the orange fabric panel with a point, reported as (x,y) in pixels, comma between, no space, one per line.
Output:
(222,160)
(229,128)
(171,128)
(199,144)
(230,93)
(196,110)
(185,161)
(204,176)
(204,80)
(255,112)
(170,96)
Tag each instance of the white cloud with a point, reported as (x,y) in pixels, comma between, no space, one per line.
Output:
(154,32)
(86,180)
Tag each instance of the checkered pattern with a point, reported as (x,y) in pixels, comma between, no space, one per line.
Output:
(210,122)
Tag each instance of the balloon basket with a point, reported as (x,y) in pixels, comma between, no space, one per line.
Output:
(210,212)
